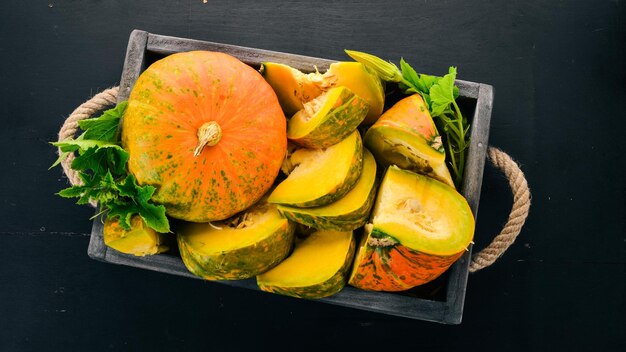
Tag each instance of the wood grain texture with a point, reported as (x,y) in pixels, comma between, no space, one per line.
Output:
(558,70)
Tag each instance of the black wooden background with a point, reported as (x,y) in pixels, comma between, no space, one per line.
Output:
(558,69)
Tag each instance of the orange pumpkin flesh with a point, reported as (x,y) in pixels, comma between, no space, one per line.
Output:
(406,136)
(419,227)
(382,264)
(171,101)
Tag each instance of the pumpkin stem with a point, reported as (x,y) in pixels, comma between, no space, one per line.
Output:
(209,134)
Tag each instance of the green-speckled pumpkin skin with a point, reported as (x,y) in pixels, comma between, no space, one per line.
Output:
(318,267)
(327,288)
(170,101)
(242,263)
(396,267)
(344,113)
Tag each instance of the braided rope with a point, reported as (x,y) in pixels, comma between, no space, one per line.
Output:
(517,216)
(86,110)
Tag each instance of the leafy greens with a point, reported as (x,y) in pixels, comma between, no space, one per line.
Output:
(101,165)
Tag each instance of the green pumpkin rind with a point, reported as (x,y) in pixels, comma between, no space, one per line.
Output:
(346,222)
(315,217)
(327,288)
(242,263)
(347,112)
(189,260)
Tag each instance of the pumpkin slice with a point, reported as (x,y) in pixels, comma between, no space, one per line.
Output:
(349,212)
(317,267)
(406,136)
(238,248)
(419,227)
(295,88)
(321,176)
(362,82)
(327,119)
(140,240)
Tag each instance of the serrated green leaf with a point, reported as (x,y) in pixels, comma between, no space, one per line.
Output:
(429,81)
(84,199)
(123,211)
(100,159)
(130,188)
(108,181)
(411,77)
(101,165)
(72,192)
(62,156)
(154,216)
(442,93)
(104,127)
(90,159)
(79,144)
(139,203)
(118,158)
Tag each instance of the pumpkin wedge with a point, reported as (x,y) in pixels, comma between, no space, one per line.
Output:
(419,227)
(295,88)
(348,212)
(327,119)
(317,267)
(140,240)
(321,176)
(238,248)
(207,131)
(406,136)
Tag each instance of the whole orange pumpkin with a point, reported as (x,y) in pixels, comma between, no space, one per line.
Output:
(207,131)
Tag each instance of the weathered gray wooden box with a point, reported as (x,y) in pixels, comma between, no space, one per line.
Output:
(440,301)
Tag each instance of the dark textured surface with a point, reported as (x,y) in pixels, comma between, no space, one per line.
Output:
(558,71)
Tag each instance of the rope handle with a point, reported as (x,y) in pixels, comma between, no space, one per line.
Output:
(501,160)
(86,110)
(517,216)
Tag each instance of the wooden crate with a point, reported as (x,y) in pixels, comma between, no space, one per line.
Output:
(439,301)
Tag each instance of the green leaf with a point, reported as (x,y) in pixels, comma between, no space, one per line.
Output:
(101,165)
(130,188)
(105,127)
(72,192)
(139,203)
(429,81)
(411,77)
(442,93)
(62,156)
(123,211)
(116,157)
(154,216)
(79,144)
(100,159)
